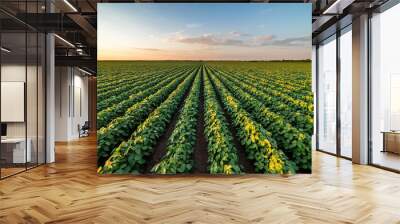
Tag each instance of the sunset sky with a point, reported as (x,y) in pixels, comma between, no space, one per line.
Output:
(245,31)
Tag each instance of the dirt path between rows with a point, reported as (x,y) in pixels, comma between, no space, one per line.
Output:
(245,164)
(160,149)
(200,154)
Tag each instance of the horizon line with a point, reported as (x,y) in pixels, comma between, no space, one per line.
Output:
(309,59)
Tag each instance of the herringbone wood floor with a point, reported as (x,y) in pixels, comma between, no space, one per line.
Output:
(69,191)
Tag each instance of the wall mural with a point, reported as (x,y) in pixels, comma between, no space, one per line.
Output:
(204,88)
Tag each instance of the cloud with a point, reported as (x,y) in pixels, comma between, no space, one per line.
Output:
(236,38)
(149,49)
(208,39)
(193,25)
(264,38)
(293,41)
(239,34)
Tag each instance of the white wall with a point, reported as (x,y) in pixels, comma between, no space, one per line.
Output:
(13,72)
(81,103)
(62,82)
(71,94)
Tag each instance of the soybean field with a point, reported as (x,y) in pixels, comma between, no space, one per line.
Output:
(196,117)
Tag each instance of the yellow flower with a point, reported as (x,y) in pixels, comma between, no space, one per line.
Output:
(99,169)
(138,140)
(231,102)
(248,127)
(108,164)
(275,164)
(266,143)
(228,169)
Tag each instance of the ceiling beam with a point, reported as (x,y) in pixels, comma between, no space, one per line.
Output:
(86,27)
(337,7)
(77,61)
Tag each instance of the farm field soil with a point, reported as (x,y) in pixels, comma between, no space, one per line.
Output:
(213,117)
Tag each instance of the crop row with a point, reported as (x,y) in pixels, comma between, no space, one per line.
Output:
(121,128)
(122,94)
(298,105)
(105,116)
(127,88)
(290,90)
(293,142)
(298,119)
(125,77)
(179,150)
(130,156)
(115,76)
(296,74)
(222,154)
(275,80)
(259,145)
(271,116)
